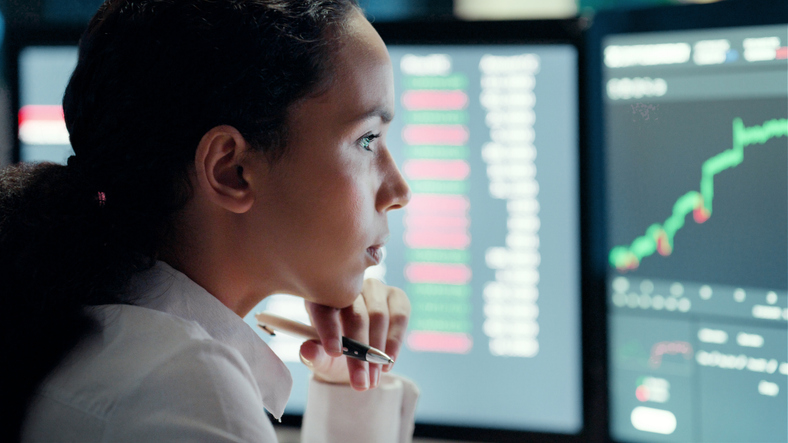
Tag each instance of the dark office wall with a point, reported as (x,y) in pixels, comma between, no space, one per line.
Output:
(21,11)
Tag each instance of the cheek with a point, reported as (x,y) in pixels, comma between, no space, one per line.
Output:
(328,204)
(346,192)
(350,210)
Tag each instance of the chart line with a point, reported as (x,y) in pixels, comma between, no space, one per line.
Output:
(659,237)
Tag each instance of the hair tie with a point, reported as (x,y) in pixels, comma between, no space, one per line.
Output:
(75,165)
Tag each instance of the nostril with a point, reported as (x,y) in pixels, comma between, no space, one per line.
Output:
(395,192)
(403,199)
(405,194)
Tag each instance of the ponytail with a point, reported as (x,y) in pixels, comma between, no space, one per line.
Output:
(56,256)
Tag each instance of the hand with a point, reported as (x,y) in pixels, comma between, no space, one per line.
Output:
(379,317)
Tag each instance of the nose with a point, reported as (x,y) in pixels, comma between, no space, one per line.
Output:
(394,192)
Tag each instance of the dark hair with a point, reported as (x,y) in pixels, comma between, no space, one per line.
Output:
(153,77)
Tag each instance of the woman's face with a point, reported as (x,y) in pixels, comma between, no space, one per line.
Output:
(322,208)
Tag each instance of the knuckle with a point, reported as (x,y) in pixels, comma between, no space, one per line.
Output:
(372,285)
(378,316)
(393,342)
(399,319)
(358,317)
(400,294)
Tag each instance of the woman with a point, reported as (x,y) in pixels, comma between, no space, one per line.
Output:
(226,150)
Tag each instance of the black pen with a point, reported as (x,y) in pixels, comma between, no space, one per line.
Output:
(351,348)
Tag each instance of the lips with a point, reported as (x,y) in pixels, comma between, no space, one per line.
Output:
(376,253)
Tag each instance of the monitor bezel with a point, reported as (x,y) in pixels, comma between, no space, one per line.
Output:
(421,32)
(727,14)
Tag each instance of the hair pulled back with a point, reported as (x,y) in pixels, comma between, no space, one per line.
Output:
(153,77)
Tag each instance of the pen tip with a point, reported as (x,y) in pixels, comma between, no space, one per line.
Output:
(267,329)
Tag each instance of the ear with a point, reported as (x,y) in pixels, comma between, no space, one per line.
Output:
(219,167)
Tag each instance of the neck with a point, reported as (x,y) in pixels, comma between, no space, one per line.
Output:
(208,252)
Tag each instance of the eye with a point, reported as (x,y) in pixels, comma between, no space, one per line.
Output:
(366,141)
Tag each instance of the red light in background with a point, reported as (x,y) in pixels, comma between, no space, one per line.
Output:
(436,169)
(456,343)
(454,135)
(436,100)
(642,393)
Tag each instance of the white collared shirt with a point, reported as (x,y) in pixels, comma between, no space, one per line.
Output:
(181,366)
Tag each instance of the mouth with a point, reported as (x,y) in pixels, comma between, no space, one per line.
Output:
(376,253)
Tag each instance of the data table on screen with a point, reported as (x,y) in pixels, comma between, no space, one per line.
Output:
(488,247)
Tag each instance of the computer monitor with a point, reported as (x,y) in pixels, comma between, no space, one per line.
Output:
(488,248)
(694,103)
(488,251)
(44,72)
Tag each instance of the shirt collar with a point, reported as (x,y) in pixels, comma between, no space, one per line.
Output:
(166,289)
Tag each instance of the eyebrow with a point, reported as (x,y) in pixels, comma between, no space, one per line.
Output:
(384,115)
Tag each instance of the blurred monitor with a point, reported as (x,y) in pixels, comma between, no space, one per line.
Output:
(514,9)
(488,248)
(696,146)
(44,72)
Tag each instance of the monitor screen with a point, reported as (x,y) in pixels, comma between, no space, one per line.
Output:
(44,72)
(696,131)
(488,247)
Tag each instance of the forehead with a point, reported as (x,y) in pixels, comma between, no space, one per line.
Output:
(358,41)
(362,78)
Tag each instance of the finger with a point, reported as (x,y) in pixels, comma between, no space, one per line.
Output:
(324,367)
(375,294)
(399,314)
(327,322)
(355,325)
(313,356)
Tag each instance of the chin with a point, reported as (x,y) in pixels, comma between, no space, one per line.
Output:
(338,294)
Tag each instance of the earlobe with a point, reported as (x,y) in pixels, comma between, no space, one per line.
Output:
(219,169)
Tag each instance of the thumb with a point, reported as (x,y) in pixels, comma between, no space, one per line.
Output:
(314,356)
(324,367)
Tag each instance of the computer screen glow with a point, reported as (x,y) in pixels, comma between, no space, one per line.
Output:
(487,249)
(697,179)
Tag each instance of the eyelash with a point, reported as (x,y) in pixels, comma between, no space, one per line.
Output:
(367,140)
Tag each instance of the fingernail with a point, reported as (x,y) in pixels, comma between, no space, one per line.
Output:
(305,361)
(389,366)
(375,371)
(361,379)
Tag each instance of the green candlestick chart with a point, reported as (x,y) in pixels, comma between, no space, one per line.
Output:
(659,237)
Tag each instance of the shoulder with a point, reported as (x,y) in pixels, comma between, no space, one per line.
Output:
(147,373)
(138,345)
(139,325)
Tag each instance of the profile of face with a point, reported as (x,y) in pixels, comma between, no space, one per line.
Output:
(321,210)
